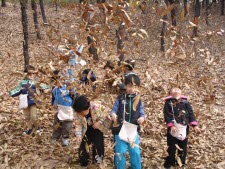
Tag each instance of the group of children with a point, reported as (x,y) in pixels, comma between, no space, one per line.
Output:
(91,117)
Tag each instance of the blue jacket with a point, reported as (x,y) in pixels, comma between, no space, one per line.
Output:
(61,96)
(22,88)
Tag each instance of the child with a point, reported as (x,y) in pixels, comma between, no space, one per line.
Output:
(28,86)
(63,119)
(179,109)
(134,115)
(87,75)
(89,124)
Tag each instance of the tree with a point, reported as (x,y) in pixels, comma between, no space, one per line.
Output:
(197,8)
(35,16)
(120,34)
(23,4)
(43,11)
(222,7)
(3,3)
(173,13)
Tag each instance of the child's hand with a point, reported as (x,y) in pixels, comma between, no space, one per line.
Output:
(114,117)
(79,139)
(140,120)
(97,125)
(174,129)
(197,129)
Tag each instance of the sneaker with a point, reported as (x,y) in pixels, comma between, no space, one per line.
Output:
(38,129)
(27,132)
(65,142)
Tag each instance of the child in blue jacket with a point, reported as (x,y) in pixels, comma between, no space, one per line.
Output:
(134,113)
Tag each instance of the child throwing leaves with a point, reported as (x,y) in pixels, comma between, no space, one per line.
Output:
(128,107)
(89,127)
(178,115)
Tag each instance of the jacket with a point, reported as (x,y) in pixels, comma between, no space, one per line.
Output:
(183,112)
(22,88)
(61,96)
(131,113)
(98,112)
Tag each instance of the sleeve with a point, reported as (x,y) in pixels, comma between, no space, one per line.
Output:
(115,107)
(78,126)
(192,120)
(168,115)
(17,91)
(93,77)
(142,113)
(43,87)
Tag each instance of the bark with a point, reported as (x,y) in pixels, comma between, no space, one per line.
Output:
(43,11)
(207,12)
(120,34)
(163,34)
(185,8)
(3,3)
(23,4)
(197,8)
(35,16)
(92,49)
(173,13)
(222,6)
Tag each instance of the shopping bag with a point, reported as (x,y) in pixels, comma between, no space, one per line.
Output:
(128,132)
(23,101)
(181,131)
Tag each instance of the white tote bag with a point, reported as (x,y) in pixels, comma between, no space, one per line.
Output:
(181,129)
(23,101)
(128,131)
(65,113)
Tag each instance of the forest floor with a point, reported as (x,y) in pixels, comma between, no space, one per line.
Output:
(199,71)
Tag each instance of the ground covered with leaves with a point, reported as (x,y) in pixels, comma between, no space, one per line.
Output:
(196,65)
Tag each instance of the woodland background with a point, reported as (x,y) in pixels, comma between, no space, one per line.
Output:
(188,53)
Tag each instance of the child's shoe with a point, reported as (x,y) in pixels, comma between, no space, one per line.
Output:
(38,129)
(65,142)
(27,132)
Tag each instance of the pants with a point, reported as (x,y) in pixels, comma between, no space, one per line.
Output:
(61,128)
(31,118)
(170,159)
(94,137)
(120,153)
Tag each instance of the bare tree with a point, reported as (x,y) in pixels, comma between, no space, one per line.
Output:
(173,13)
(35,16)
(222,7)
(121,35)
(197,12)
(3,3)
(23,4)
(43,11)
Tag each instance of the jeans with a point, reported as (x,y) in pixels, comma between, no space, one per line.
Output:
(120,153)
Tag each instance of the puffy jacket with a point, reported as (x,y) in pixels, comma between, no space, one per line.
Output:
(61,96)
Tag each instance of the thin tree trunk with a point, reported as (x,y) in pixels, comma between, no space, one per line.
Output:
(173,13)
(120,34)
(43,11)
(197,7)
(207,12)
(3,3)
(162,35)
(185,8)
(92,49)
(23,4)
(222,7)
(35,16)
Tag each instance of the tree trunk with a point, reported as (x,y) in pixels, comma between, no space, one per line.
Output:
(3,3)
(35,16)
(163,34)
(120,34)
(43,11)
(173,13)
(222,7)
(207,12)
(23,4)
(197,7)
(92,49)
(185,8)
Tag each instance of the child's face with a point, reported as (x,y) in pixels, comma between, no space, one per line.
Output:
(85,112)
(131,89)
(176,93)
